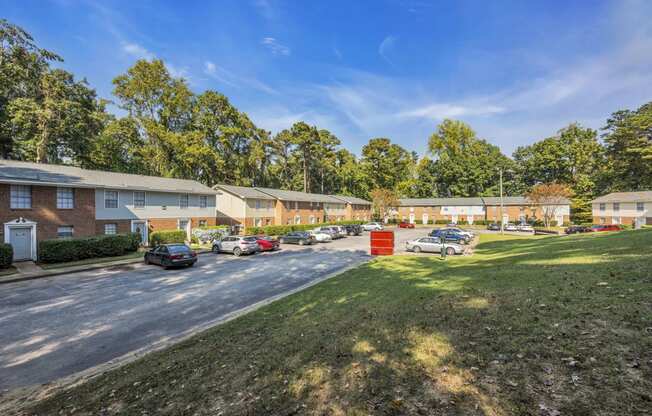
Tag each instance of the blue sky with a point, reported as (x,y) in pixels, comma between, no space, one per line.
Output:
(516,71)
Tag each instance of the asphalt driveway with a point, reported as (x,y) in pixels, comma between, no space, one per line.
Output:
(55,327)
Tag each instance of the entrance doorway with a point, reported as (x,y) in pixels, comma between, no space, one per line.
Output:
(140,227)
(21,235)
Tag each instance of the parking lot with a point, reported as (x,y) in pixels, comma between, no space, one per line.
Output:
(56,327)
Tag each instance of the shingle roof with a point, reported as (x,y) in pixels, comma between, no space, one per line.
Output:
(12,171)
(640,196)
(352,199)
(244,192)
(299,196)
(507,200)
(420,202)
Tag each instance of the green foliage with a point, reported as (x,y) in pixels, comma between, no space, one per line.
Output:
(72,249)
(6,255)
(166,237)
(385,164)
(284,229)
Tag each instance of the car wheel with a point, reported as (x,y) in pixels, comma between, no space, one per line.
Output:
(216,249)
(301,242)
(191,264)
(147,260)
(417,249)
(450,251)
(237,252)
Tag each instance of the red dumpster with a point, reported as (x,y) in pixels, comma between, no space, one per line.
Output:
(382,243)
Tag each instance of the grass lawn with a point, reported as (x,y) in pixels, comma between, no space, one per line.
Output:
(99,260)
(527,326)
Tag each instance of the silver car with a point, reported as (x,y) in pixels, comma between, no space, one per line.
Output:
(432,245)
(237,245)
(330,230)
(371,226)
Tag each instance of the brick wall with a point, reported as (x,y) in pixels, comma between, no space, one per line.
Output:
(48,217)
(123,226)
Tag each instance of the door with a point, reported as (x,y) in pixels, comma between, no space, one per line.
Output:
(454,219)
(424,219)
(140,227)
(21,240)
(183,225)
(411,218)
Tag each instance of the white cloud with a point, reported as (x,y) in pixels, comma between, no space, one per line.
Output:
(275,47)
(386,47)
(440,111)
(137,51)
(224,76)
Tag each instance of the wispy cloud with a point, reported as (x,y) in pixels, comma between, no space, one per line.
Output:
(275,47)
(385,48)
(227,77)
(137,51)
(440,111)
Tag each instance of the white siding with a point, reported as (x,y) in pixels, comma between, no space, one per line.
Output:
(154,206)
(462,210)
(230,206)
(257,208)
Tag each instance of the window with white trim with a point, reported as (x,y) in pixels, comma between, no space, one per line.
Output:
(64,231)
(110,229)
(203,201)
(139,199)
(21,197)
(297,219)
(603,206)
(616,206)
(183,201)
(312,219)
(640,206)
(258,202)
(110,199)
(65,198)
(258,222)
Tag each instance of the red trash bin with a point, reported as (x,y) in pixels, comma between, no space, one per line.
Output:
(382,243)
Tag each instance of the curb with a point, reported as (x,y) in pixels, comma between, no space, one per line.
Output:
(63,270)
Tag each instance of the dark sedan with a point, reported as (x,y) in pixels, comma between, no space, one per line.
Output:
(301,238)
(451,236)
(576,229)
(353,229)
(170,255)
(493,227)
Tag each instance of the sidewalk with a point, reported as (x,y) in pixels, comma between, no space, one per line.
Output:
(30,271)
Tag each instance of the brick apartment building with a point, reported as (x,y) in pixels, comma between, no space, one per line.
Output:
(41,201)
(257,206)
(623,208)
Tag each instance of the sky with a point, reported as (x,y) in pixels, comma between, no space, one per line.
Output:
(516,71)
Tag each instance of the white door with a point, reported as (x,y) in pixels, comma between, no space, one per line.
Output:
(454,219)
(412,218)
(424,219)
(639,222)
(469,219)
(140,227)
(185,226)
(20,239)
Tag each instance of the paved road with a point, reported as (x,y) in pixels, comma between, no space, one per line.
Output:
(55,327)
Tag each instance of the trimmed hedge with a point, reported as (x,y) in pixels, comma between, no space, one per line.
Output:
(71,249)
(6,255)
(284,229)
(167,237)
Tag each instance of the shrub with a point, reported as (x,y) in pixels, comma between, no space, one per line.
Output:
(480,222)
(462,222)
(284,229)
(167,237)
(6,255)
(442,221)
(418,222)
(205,234)
(71,249)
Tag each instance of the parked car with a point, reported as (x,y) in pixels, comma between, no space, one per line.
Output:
(168,255)
(332,231)
(605,227)
(470,234)
(372,226)
(404,224)
(493,227)
(450,236)
(267,243)
(511,227)
(526,228)
(321,236)
(237,245)
(353,229)
(432,245)
(301,238)
(576,229)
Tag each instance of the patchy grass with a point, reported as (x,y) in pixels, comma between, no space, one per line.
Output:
(526,326)
(99,260)
(7,271)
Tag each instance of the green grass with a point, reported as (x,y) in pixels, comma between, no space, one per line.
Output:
(526,326)
(99,260)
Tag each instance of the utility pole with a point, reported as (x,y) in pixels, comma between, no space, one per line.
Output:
(502,220)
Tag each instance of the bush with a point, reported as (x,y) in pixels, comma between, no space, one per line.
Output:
(442,221)
(71,249)
(418,222)
(166,237)
(6,255)
(462,222)
(206,234)
(284,229)
(480,222)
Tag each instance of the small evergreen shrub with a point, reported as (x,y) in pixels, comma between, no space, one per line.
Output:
(6,255)
(71,249)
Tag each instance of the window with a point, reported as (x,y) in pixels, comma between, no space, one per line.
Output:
(640,206)
(182,225)
(183,201)
(21,197)
(268,221)
(202,223)
(615,220)
(65,198)
(312,219)
(110,228)
(203,201)
(110,199)
(258,222)
(297,219)
(616,206)
(65,231)
(139,199)
(603,206)
(258,201)
(603,220)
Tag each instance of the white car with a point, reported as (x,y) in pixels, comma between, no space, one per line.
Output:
(525,228)
(511,227)
(463,232)
(372,226)
(320,236)
(432,245)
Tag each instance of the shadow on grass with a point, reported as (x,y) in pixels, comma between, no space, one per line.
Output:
(523,327)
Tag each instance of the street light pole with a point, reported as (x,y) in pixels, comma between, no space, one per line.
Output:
(502,218)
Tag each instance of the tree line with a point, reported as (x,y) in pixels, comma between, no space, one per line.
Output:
(47,115)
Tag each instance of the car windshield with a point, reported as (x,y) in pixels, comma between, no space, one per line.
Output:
(249,239)
(178,249)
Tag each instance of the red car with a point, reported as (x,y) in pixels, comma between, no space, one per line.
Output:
(612,227)
(404,224)
(267,243)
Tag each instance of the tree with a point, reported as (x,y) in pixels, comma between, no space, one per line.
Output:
(466,165)
(385,164)
(383,200)
(550,197)
(628,140)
